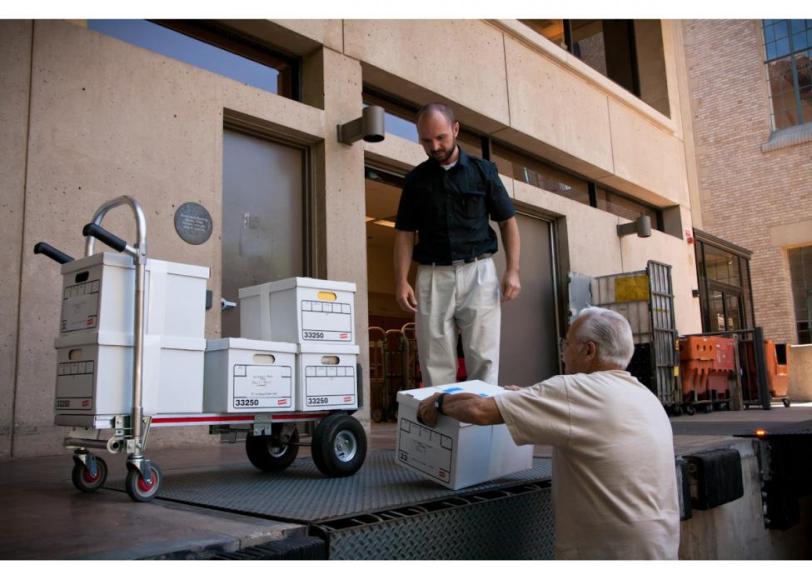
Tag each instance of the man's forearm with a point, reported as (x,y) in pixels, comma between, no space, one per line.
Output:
(404,247)
(510,239)
(471,408)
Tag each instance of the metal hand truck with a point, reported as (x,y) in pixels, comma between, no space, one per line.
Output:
(338,444)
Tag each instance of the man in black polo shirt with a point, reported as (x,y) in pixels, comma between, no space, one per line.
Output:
(446,203)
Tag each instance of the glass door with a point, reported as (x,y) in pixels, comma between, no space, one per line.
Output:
(725,309)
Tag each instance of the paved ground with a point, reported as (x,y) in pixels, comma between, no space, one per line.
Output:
(44,517)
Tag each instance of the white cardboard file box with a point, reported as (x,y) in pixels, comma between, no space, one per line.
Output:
(327,377)
(94,375)
(98,298)
(94,347)
(249,375)
(456,454)
(301,310)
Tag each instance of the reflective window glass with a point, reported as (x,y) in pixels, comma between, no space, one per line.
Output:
(206,47)
(624,206)
(788,54)
(539,174)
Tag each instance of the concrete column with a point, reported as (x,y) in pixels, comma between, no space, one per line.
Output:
(341,226)
(15,69)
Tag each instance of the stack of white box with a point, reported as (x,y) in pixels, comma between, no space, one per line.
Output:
(298,352)
(94,347)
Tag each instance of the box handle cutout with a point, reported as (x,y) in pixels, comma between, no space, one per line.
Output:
(75,354)
(81,277)
(329,360)
(331,296)
(264,359)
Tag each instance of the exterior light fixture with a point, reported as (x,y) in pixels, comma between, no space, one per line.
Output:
(641,226)
(369,127)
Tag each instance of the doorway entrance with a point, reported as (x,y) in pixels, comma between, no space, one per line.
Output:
(725,308)
(529,350)
(263,218)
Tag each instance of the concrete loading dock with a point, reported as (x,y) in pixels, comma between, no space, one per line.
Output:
(43,511)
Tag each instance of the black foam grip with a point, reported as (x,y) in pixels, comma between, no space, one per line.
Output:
(53,253)
(103,235)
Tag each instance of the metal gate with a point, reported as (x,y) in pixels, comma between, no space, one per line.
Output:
(646,299)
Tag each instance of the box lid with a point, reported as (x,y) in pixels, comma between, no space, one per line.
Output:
(107,258)
(315,283)
(288,283)
(178,269)
(323,348)
(249,344)
(93,337)
(413,397)
(125,261)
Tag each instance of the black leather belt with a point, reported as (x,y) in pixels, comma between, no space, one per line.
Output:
(461,261)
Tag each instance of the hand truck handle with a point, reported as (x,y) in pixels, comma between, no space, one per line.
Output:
(139,251)
(53,253)
(103,235)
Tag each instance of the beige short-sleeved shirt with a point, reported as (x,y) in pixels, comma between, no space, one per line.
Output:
(614,478)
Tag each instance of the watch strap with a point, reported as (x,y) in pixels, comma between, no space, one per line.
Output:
(439,403)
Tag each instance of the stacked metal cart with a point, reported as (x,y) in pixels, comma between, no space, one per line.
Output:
(131,355)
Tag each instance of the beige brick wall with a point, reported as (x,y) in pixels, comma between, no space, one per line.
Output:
(747,194)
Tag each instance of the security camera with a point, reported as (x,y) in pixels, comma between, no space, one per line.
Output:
(369,127)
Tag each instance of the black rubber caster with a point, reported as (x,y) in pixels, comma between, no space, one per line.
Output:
(137,487)
(86,479)
(269,452)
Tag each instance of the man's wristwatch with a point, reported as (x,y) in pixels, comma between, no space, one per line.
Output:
(438,403)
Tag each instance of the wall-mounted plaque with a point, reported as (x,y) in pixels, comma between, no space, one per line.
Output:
(193,223)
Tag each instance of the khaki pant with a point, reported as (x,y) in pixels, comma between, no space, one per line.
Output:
(465,298)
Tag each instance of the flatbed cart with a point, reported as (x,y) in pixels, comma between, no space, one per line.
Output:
(338,444)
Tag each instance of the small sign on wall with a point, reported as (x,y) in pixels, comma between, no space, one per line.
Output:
(193,223)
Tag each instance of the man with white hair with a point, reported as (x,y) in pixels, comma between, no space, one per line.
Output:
(614,479)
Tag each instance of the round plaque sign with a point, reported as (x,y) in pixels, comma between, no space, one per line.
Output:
(193,223)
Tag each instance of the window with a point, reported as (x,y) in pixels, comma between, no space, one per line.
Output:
(788,50)
(210,46)
(401,121)
(626,207)
(725,295)
(800,271)
(629,52)
(722,266)
(539,174)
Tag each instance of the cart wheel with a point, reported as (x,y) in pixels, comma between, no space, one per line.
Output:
(267,453)
(84,481)
(690,410)
(140,490)
(676,410)
(339,445)
(786,402)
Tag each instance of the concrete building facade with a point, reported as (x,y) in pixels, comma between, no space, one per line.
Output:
(86,117)
(754,163)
